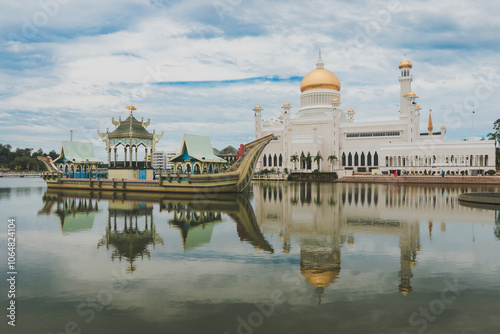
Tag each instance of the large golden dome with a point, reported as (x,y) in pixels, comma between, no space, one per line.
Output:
(320,278)
(320,78)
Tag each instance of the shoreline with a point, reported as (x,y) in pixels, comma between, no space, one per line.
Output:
(488,180)
(493,180)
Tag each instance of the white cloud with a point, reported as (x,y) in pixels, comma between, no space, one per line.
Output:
(92,59)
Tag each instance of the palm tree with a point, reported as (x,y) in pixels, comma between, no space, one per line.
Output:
(332,158)
(293,159)
(308,160)
(317,159)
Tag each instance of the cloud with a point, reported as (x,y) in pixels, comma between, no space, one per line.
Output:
(185,64)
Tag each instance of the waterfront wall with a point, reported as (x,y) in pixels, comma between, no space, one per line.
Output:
(312,176)
(422,179)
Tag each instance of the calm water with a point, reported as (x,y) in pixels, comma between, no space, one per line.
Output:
(282,258)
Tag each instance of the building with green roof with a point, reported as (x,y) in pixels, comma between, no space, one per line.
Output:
(77,160)
(197,157)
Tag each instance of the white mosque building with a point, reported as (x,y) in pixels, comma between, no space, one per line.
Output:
(322,127)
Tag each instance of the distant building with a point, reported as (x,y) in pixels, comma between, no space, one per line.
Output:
(228,153)
(161,160)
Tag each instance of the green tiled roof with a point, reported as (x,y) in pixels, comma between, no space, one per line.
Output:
(228,150)
(123,129)
(77,151)
(200,148)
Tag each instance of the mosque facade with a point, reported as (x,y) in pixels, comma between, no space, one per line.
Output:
(322,128)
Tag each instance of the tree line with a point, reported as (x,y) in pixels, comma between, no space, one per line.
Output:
(22,159)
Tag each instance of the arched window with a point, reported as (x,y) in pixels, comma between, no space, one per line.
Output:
(264,161)
(343,159)
(349,159)
(188,169)
(369,159)
(270,160)
(302,161)
(281,161)
(356,159)
(275,161)
(375,159)
(362,159)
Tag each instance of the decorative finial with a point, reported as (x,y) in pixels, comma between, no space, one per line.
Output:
(131,108)
(319,62)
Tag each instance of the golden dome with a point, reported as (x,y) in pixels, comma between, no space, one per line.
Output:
(411,94)
(350,110)
(405,290)
(320,79)
(405,63)
(443,127)
(320,278)
(315,127)
(335,100)
(281,116)
(417,106)
(258,107)
(286,104)
(130,108)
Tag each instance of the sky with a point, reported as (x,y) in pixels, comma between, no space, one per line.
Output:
(200,67)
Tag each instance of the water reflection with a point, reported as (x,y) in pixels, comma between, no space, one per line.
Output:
(75,214)
(322,218)
(130,231)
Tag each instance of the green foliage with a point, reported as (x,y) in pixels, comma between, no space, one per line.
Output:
(22,158)
(491,172)
(285,170)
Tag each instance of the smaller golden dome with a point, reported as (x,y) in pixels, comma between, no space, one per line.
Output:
(286,104)
(443,127)
(258,107)
(411,94)
(335,100)
(290,129)
(417,106)
(405,63)
(350,110)
(281,116)
(315,127)
(405,290)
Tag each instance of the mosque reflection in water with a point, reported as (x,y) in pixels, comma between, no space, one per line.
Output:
(320,218)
